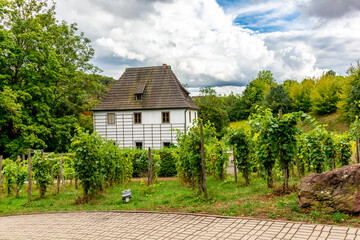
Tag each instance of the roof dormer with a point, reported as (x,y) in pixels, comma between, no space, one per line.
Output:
(139,91)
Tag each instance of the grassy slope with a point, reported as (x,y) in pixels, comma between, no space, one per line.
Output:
(334,123)
(226,198)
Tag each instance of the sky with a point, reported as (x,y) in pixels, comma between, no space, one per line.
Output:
(220,43)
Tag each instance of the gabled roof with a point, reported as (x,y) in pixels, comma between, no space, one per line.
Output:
(159,86)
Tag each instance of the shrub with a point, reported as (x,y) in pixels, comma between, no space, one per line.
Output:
(167,162)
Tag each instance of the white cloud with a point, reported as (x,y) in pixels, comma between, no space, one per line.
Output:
(225,90)
(201,43)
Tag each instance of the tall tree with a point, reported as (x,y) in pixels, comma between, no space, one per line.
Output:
(212,109)
(326,94)
(44,66)
(350,99)
(277,98)
(253,95)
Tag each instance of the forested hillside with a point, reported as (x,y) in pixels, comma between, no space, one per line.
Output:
(331,98)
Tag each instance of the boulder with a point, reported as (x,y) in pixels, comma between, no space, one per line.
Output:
(336,190)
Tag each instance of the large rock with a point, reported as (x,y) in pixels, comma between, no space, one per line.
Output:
(337,190)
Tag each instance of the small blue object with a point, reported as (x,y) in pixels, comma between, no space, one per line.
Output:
(126,195)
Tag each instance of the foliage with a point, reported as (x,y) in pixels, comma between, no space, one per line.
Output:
(240,140)
(343,149)
(300,95)
(189,166)
(326,94)
(217,159)
(315,143)
(277,98)
(168,158)
(349,103)
(98,161)
(8,173)
(41,168)
(264,146)
(253,95)
(212,110)
(46,80)
(281,132)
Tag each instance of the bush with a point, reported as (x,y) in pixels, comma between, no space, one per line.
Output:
(98,161)
(140,162)
(167,162)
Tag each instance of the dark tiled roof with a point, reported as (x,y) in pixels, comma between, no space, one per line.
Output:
(161,89)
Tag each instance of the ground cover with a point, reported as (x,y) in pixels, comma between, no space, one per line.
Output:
(225,198)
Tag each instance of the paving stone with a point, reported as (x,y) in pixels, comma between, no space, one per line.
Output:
(121,225)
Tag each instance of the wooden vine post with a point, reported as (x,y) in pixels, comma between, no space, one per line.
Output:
(17,182)
(29,176)
(1,158)
(203,160)
(61,173)
(150,174)
(357,145)
(235,170)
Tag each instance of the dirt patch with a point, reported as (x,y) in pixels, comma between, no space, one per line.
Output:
(279,191)
(158,179)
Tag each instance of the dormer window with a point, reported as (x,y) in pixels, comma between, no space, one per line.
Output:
(138,96)
(139,91)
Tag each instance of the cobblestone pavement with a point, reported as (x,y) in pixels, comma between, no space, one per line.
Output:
(132,225)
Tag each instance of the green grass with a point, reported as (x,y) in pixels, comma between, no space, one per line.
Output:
(225,198)
(335,123)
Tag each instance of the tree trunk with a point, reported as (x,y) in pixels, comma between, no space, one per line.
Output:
(246,176)
(270,181)
(17,180)
(235,171)
(318,168)
(58,184)
(203,160)
(286,176)
(86,196)
(357,146)
(150,180)
(302,170)
(298,166)
(29,176)
(61,173)
(1,158)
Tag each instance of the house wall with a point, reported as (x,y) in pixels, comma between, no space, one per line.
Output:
(151,132)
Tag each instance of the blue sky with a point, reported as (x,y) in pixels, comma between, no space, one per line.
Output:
(220,43)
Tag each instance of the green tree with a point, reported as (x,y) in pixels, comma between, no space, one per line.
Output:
(299,94)
(326,94)
(212,110)
(349,103)
(277,98)
(46,80)
(253,95)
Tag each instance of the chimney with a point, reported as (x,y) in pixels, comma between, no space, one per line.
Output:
(164,65)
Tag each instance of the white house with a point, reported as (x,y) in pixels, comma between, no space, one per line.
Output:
(144,109)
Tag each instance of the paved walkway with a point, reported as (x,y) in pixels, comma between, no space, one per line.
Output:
(131,225)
